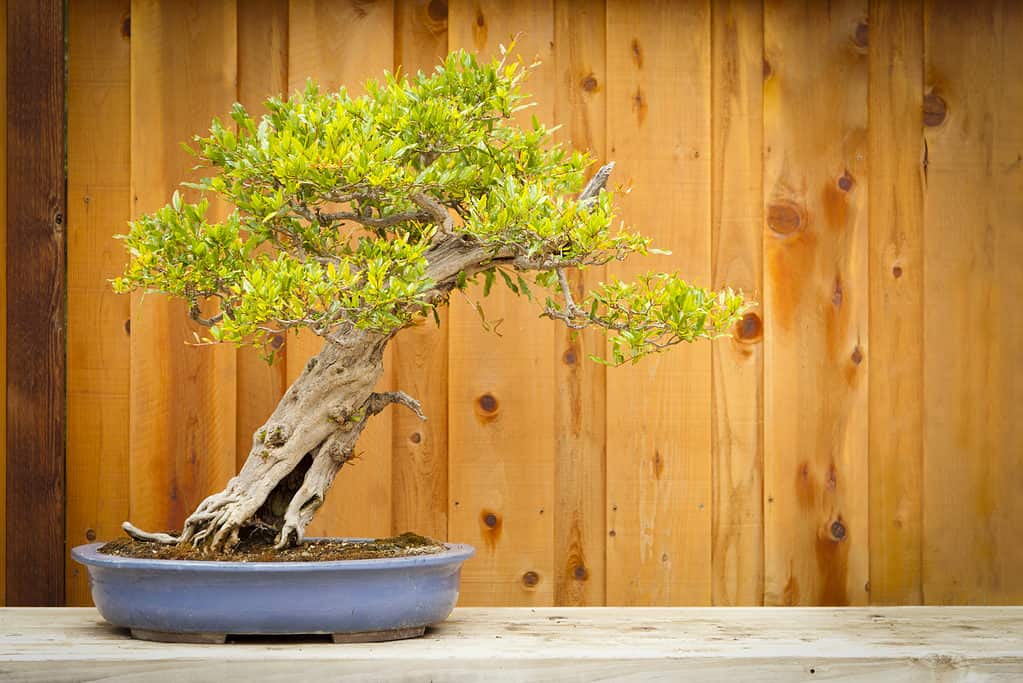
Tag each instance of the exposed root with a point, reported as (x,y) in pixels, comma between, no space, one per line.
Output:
(150,537)
(218,521)
(332,455)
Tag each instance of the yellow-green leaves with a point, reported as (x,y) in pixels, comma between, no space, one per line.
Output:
(331,229)
(657,311)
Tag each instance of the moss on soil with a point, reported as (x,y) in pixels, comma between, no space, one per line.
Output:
(255,549)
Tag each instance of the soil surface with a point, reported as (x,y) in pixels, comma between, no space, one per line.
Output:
(262,550)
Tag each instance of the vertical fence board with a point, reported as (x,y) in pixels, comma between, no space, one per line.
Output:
(182,434)
(99,207)
(816,296)
(579,400)
(420,354)
(262,73)
(736,222)
(973,246)
(896,280)
(501,422)
(346,43)
(3,302)
(659,411)
(35,288)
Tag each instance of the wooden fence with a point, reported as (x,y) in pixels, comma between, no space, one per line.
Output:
(854,166)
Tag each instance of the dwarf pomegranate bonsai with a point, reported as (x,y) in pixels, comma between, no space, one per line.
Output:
(355,217)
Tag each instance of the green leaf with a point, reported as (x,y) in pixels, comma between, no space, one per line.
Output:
(508,281)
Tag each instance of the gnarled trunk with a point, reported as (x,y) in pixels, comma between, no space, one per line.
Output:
(297,452)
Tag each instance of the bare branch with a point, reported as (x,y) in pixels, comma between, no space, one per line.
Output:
(596,184)
(566,291)
(369,221)
(436,210)
(379,401)
(195,314)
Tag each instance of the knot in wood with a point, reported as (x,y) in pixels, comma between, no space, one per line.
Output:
(437,10)
(861,35)
(784,217)
(845,183)
(487,403)
(749,328)
(935,110)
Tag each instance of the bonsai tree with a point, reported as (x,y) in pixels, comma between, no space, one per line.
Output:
(375,210)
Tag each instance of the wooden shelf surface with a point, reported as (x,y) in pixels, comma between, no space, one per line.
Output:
(553,644)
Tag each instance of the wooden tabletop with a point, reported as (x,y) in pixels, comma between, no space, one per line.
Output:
(553,644)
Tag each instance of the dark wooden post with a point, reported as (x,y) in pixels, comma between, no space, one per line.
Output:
(36,201)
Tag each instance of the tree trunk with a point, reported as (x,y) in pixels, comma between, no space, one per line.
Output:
(297,452)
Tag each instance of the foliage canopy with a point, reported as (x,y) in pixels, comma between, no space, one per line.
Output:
(344,204)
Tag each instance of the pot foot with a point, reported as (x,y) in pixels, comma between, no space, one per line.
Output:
(379,636)
(168,637)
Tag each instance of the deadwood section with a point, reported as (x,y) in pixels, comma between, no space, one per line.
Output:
(420,354)
(182,396)
(973,247)
(501,426)
(580,79)
(36,217)
(815,298)
(345,43)
(896,301)
(737,528)
(658,412)
(262,73)
(99,207)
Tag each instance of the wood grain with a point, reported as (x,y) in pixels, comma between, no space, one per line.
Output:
(262,73)
(737,554)
(816,297)
(345,43)
(99,207)
(182,433)
(558,644)
(579,399)
(35,345)
(896,301)
(501,426)
(420,354)
(659,411)
(973,245)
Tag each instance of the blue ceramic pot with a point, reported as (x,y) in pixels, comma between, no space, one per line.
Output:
(353,600)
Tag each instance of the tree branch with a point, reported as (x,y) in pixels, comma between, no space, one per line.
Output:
(195,314)
(436,210)
(596,184)
(379,401)
(369,221)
